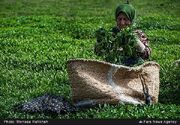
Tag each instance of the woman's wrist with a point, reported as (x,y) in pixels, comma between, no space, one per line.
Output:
(140,46)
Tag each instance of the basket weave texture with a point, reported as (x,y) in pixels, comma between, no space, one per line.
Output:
(103,82)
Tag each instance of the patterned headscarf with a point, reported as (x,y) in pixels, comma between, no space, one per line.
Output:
(128,9)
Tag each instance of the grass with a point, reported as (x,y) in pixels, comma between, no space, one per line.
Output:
(38,37)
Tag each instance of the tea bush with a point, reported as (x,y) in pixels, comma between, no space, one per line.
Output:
(37,38)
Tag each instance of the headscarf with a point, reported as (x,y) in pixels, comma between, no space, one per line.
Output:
(128,9)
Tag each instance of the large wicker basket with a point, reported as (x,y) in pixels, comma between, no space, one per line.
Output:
(99,82)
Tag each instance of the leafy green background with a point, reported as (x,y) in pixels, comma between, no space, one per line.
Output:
(37,37)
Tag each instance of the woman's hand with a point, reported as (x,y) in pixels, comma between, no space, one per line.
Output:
(140,46)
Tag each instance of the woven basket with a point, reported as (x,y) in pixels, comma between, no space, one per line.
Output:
(99,82)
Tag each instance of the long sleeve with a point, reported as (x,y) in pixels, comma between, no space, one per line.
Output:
(147,50)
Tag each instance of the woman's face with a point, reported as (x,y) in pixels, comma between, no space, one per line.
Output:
(122,21)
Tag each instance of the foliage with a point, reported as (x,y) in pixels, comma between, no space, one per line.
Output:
(115,47)
(38,37)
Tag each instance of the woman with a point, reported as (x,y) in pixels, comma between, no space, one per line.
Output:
(125,16)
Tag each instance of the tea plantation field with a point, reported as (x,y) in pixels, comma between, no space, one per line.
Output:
(37,37)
